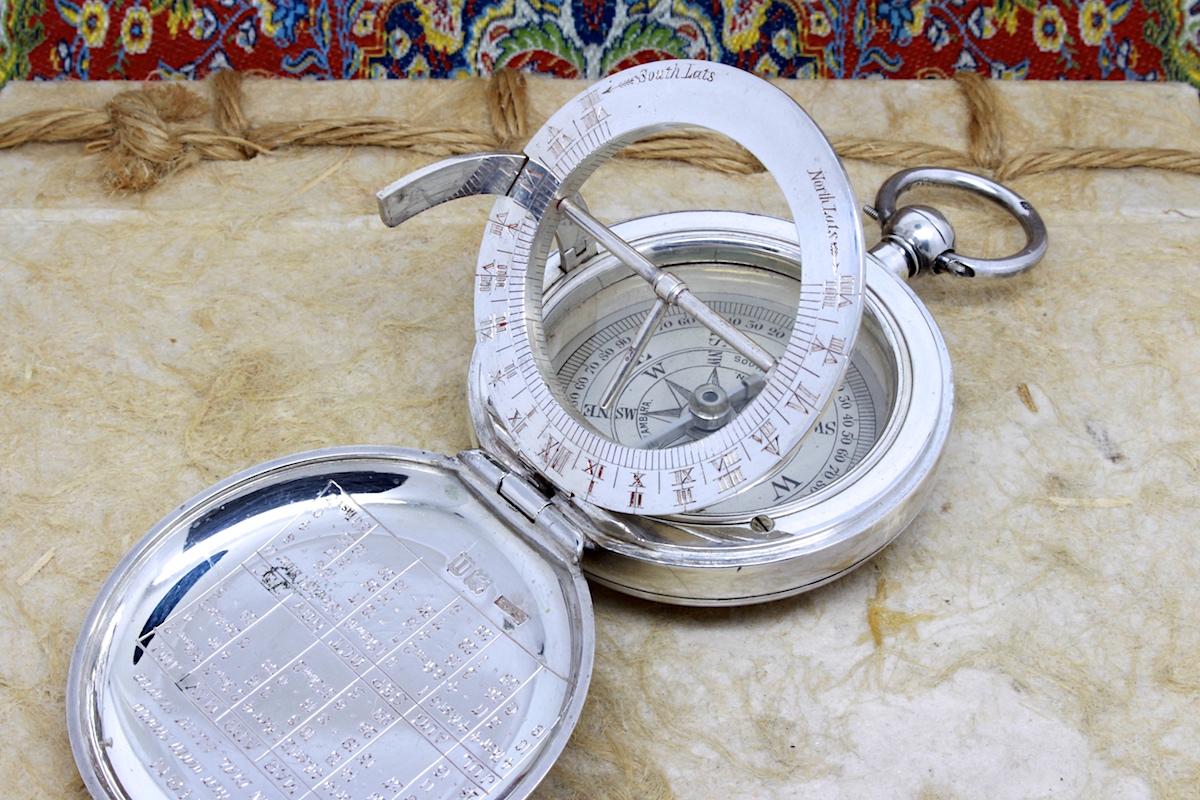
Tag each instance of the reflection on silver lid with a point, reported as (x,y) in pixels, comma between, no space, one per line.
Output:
(342,624)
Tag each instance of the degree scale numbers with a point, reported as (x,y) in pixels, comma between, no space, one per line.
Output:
(334,664)
(652,409)
(310,629)
(557,440)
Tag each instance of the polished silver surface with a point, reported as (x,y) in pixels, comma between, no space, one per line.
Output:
(528,183)
(390,624)
(539,193)
(450,179)
(349,623)
(848,489)
(915,238)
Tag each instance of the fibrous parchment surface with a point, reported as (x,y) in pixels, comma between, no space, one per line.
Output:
(1034,633)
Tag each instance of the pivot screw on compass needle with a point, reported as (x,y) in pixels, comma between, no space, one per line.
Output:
(670,290)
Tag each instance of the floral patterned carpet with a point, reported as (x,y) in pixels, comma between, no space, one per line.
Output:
(1037,39)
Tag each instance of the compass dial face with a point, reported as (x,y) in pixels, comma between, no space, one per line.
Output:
(841,439)
(686,372)
(662,404)
(749,430)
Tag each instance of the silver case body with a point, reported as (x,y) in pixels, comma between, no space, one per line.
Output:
(713,558)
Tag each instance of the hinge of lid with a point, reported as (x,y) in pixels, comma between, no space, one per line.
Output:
(560,533)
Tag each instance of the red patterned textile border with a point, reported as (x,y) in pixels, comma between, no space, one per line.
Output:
(165,39)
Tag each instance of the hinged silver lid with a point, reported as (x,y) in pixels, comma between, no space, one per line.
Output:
(348,623)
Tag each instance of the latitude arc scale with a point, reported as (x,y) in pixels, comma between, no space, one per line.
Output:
(677,404)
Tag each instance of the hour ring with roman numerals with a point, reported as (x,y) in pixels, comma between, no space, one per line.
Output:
(551,435)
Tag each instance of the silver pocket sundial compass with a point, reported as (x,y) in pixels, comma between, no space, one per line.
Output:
(863,471)
(701,408)
(538,189)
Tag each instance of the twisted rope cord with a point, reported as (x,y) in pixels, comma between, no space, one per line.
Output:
(150,133)
(227,96)
(56,125)
(508,106)
(985,142)
(1035,162)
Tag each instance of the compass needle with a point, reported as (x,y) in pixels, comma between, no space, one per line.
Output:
(762,393)
(574,430)
(865,438)
(765,420)
(681,393)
